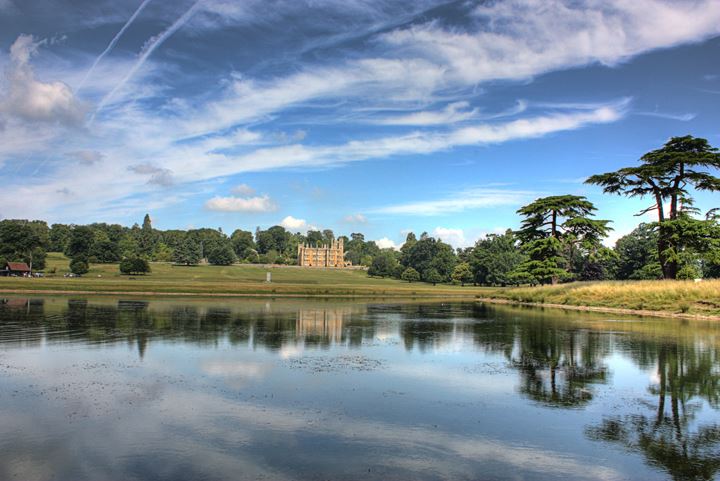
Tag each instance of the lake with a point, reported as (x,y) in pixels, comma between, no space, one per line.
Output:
(110,389)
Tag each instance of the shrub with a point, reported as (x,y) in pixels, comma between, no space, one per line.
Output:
(410,275)
(134,265)
(222,256)
(79,266)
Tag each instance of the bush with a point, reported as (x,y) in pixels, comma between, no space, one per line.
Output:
(410,275)
(134,265)
(79,266)
(222,256)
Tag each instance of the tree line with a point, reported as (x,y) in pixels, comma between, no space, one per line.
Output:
(135,247)
(559,238)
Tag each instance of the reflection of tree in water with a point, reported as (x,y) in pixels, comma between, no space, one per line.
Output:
(138,323)
(669,438)
(558,367)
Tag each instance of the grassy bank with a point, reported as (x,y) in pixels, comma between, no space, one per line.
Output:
(682,297)
(227,280)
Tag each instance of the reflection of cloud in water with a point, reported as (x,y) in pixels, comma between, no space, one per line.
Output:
(217,435)
(253,370)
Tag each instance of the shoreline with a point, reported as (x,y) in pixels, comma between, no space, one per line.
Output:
(58,292)
(600,309)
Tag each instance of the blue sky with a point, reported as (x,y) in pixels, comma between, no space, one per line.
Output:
(372,116)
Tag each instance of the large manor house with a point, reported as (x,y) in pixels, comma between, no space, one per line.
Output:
(323,255)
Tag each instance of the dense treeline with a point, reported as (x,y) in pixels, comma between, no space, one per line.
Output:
(559,238)
(28,241)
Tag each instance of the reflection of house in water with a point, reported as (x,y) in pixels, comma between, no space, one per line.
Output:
(326,324)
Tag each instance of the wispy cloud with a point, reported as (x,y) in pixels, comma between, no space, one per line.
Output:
(663,115)
(470,199)
(149,47)
(112,43)
(242,204)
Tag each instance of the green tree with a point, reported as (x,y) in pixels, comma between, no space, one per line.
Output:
(79,266)
(105,252)
(20,241)
(462,273)
(384,264)
(667,175)
(222,256)
(59,237)
(431,253)
(80,243)
(637,254)
(553,226)
(134,265)
(410,275)
(242,242)
(432,275)
(187,253)
(495,257)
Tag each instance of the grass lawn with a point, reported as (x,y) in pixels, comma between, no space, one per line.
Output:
(684,297)
(236,279)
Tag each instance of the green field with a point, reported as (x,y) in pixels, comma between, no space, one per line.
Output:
(167,278)
(676,297)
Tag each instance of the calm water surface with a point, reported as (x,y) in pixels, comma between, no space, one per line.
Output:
(108,389)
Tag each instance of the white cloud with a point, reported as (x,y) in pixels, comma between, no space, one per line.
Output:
(454,237)
(452,113)
(355,219)
(386,243)
(465,200)
(242,204)
(243,189)
(85,157)
(518,39)
(293,224)
(158,175)
(29,99)
(680,117)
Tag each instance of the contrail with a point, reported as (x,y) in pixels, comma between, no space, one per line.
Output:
(112,43)
(155,42)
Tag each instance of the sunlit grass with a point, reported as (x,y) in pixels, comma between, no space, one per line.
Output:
(675,296)
(236,279)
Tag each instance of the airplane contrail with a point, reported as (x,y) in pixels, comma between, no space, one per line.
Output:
(112,43)
(146,52)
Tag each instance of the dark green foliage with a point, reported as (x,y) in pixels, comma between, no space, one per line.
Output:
(410,275)
(430,253)
(187,253)
(22,241)
(637,254)
(134,265)
(80,242)
(360,252)
(462,273)
(222,256)
(243,243)
(79,266)
(105,252)
(432,276)
(554,231)
(59,237)
(384,264)
(666,175)
(494,258)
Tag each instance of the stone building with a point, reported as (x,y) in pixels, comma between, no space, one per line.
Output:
(323,255)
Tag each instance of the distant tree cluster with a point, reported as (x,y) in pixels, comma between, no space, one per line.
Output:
(559,238)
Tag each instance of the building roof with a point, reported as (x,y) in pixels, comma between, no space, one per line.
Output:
(18,266)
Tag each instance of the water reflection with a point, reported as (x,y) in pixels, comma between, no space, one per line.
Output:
(458,385)
(671,437)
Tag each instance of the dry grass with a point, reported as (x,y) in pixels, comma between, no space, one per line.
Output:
(687,297)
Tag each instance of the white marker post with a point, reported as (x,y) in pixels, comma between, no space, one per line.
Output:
(268,277)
